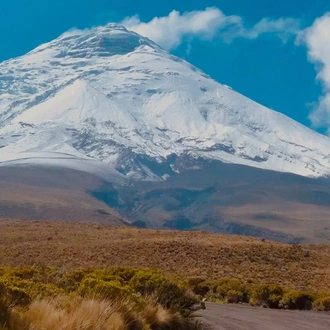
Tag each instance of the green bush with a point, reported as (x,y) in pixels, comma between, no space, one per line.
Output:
(296,300)
(70,282)
(321,304)
(10,297)
(31,288)
(18,286)
(230,290)
(121,282)
(94,287)
(125,274)
(42,290)
(266,295)
(199,286)
(4,312)
(167,292)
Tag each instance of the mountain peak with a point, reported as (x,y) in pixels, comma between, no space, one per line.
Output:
(111,95)
(102,41)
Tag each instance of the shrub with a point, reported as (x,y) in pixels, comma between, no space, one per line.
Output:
(71,281)
(125,274)
(199,286)
(230,290)
(30,288)
(321,304)
(169,294)
(296,300)
(266,295)
(94,287)
(10,297)
(4,312)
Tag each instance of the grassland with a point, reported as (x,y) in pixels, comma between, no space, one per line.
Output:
(68,246)
(64,276)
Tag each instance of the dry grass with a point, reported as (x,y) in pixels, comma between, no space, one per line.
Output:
(73,245)
(88,314)
(85,314)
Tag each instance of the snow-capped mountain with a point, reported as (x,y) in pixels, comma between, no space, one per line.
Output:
(105,98)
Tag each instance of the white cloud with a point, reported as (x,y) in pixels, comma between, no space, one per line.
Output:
(172,30)
(282,27)
(317,40)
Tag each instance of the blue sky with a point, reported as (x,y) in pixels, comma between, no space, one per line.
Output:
(269,62)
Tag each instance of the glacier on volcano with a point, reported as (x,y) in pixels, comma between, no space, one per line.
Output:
(111,96)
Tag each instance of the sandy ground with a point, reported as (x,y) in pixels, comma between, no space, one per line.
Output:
(235,317)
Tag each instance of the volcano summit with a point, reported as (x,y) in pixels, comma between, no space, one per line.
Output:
(107,99)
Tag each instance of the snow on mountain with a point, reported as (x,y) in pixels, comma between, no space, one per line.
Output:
(110,96)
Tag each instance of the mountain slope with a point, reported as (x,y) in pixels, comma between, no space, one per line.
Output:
(43,193)
(228,198)
(110,96)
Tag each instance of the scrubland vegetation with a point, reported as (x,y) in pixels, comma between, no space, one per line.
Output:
(69,246)
(64,276)
(265,295)
(37,298)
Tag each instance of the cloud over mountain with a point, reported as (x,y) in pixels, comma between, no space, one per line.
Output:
(172,30)
(317,40)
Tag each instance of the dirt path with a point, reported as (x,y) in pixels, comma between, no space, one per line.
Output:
(236,317)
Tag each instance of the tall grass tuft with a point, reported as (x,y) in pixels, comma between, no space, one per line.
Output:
(77,313)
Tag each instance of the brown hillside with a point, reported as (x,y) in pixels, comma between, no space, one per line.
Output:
(223,198)
(52,194)
(70,245)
